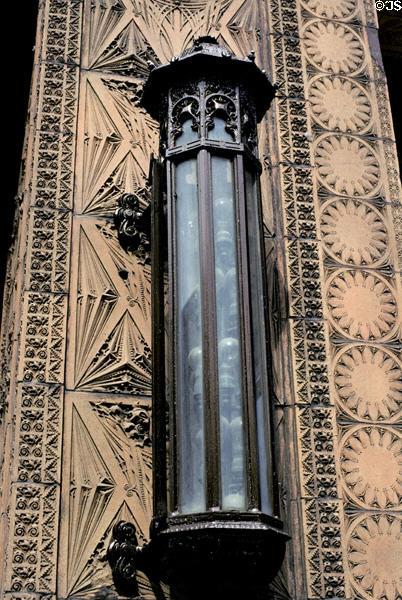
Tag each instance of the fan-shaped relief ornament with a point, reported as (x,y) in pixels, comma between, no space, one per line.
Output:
(333,47)
(347,165)
(340,104)
(332,9)
(368,383)
(362,305)
(354,232)
(374,551)
(371,467)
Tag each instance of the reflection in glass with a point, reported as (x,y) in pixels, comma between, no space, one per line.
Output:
(258,343)
(219,131)
(187,134)
(189,344)
(227,323)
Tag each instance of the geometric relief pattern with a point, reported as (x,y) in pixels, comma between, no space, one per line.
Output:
(371,466)
(112,482)
(339,104)
(340,9)
(118,138)
(109,324)
(34,515)
(111,334)
(91,488)
(374,556)
(368,382)
(362,305)
(333,47)
(354,233)
(357,181)
(31,507)
(43,338)
(38,424)
(159,30)
(122,363)
(300,256)
(347,165)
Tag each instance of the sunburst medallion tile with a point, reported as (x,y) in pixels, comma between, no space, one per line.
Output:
(340,104)
(371,465)
(374,547)
(333,47)
(347,165)
(332,9)
(368,383)
(362,305)
(354,232)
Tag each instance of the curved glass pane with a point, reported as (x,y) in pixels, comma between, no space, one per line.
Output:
(219,131)
(258,343)
(190,417)
(187,134)
(228,337)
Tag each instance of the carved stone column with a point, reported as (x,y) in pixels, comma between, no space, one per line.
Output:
(76,377)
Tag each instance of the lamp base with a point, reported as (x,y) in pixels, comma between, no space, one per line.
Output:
(218,556)
(229,556)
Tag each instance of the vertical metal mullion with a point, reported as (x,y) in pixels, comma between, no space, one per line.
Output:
(172,334)
(209,338)
(268,384)
(249,413)
(158,346)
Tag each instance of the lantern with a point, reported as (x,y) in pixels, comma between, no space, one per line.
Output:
(215,531)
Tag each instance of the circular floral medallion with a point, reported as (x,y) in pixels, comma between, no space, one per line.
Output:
(371,465)
(353,232)
(374,546)
(333,47)
(347,165)
(361,305)
(338,103)
(368,382)
(332,9)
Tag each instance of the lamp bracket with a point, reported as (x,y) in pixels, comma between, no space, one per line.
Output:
(133,225)
(125,557)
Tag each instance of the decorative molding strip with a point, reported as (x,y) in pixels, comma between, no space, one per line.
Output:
(33,492)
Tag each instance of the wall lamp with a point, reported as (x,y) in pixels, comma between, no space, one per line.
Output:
(215,532)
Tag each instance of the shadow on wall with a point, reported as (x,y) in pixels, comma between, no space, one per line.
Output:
(17,72)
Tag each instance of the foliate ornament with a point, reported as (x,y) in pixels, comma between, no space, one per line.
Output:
(132,421)
(374,548)
(332,9)
(371,466)
(368,383)
(340,104)
(347,165)
(333,47)
(354,232)
(362,305)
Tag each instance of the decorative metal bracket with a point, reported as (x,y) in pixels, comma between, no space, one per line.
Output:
(125,558)
(133,225)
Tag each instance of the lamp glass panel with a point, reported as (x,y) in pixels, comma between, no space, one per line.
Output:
(228,337)
(187,134)
(219,131)
(189,343)
(258,345)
